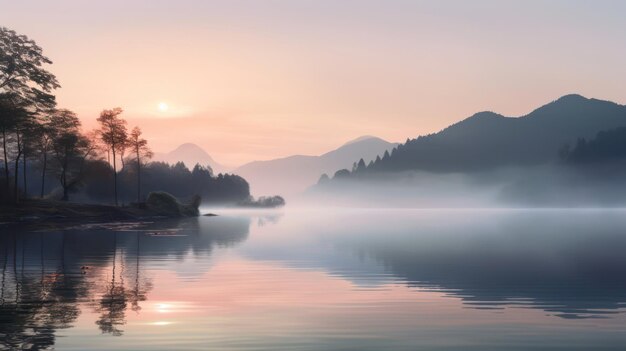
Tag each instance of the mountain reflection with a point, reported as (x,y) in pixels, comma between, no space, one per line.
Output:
(568,263)
(47,277)
(333,265)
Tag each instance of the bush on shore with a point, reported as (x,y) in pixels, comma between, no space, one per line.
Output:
(166,204)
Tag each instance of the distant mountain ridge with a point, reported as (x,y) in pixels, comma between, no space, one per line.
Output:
(361,138)
(487,139)
(293,174)
(190,154)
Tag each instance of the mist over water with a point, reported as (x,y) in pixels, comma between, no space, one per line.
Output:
(542,186)
(341,279)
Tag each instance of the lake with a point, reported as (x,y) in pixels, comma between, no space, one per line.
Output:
(321,280)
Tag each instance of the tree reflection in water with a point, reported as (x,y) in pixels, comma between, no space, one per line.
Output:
(113,302)
(47,277)
(35,302)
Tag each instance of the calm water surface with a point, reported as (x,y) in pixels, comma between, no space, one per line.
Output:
(322,280)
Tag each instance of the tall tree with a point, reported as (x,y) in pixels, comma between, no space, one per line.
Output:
(70,149)
(141,151)
(43,136)
(25,85)
(113,134)
(28,148)
(7,122)
(121,151)
(19,121)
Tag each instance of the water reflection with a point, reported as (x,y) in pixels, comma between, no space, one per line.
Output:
(358,280)
(45,276)
(569,263)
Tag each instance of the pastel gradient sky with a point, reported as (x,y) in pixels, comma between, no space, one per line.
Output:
(250,80)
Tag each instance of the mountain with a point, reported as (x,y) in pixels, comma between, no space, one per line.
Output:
(190,154)
(488,140)
(359,139)
(293,174)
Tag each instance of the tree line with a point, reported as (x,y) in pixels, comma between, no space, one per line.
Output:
(607,146)
(37,136)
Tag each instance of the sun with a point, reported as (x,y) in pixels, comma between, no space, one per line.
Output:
(163,107)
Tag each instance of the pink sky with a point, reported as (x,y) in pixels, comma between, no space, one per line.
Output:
(251,80)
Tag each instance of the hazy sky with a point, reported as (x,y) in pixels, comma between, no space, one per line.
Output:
(261,79)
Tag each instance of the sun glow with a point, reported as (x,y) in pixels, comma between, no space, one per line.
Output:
(163,307)
(161,323)
(163,107)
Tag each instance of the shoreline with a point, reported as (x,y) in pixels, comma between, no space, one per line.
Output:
(52,213)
